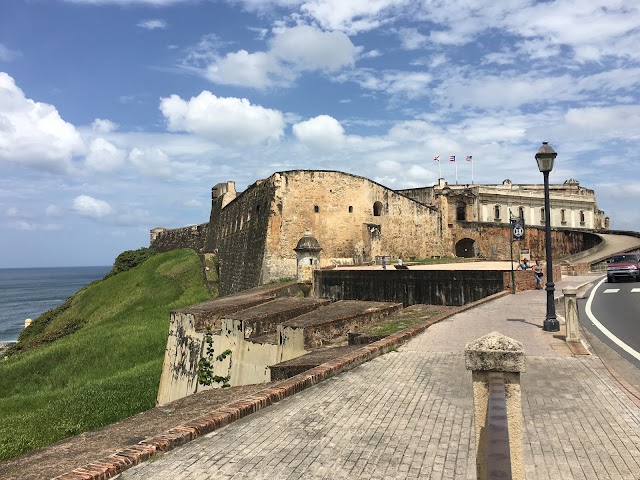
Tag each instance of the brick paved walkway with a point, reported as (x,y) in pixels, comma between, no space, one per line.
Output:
(408,414)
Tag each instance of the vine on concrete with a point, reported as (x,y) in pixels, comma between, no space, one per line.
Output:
(207,363)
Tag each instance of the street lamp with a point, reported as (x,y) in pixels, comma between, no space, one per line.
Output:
(545,157)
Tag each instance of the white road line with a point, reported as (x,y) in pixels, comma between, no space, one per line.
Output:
(611,290)
(635,290)
(604,329)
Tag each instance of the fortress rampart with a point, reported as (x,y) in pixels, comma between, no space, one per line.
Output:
(192,236)
(355,220)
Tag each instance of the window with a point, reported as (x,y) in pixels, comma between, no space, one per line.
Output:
(582,217)
(316,208)
(521,213)
(377,209)
(461,212)
(563,216)
(542,219)
(496,212)
(350,209)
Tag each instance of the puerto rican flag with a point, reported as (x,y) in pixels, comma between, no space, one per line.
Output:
(469,158)
(436,158)
(452,158)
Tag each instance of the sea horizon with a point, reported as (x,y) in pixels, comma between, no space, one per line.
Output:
(28,292)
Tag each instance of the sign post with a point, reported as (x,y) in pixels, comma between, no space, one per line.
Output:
(517,234)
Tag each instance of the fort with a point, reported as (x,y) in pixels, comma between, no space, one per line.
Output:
(356,221)
(315,228)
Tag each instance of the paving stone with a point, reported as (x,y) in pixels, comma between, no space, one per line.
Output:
(409,414)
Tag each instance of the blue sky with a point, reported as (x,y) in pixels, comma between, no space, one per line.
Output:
(118,116)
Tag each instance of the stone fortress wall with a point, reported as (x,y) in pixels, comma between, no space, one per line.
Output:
(355,220)
(192,236)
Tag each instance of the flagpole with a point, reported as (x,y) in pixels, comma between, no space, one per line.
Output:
(439,170)
(472,171)
(456,171)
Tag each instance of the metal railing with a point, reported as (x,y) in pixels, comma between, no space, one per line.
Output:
(498,449)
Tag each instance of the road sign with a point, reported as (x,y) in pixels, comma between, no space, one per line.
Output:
(517,229)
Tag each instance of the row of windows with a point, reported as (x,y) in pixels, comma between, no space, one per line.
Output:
(563,214)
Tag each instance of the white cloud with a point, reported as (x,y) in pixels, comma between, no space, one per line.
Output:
(151,162)
(256,70)
(225,120)
(411,38)
(21,225)
(292,52)
(617,121)
(322,133)
(152,24)
(103,156)
(12,212)
(351,16)
(53,211)
(307,48)
(103,126)
(394,83)
(91,207)
(32,133)
(8,55)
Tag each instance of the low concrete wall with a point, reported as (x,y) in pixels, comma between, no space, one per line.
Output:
(449,287)
(248,363)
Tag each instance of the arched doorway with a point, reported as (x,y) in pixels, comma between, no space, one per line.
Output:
(466,248)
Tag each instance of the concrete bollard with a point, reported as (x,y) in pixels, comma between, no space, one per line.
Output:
(571,314)
(485,356)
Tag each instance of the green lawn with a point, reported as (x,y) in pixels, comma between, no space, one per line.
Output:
(109,369)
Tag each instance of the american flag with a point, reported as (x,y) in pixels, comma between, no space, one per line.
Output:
(436,158)
(452,158)
(469,158)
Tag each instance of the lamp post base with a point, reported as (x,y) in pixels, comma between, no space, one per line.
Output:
(551,325)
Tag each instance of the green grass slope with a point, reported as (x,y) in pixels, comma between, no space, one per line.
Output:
(109,368)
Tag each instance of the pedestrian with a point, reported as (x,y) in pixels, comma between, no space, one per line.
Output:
(384,264)
(399,261)
(524,264)
(538,274)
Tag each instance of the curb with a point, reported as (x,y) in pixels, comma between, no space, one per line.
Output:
(117,463)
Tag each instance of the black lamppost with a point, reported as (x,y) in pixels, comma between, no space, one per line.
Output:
(545,157)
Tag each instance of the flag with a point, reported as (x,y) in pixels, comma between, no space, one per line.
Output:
(452,158)
(469,158)
(436,158)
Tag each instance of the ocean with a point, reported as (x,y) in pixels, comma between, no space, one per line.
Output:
(29,292)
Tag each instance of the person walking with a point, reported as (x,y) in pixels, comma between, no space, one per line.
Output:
(524,264)
(538,274)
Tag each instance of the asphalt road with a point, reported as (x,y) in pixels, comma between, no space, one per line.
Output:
(611,311)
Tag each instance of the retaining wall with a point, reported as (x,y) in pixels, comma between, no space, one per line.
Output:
(449,287)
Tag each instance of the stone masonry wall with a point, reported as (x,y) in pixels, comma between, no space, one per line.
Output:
(340,211)
(192,236)
(493,240)
(240,238)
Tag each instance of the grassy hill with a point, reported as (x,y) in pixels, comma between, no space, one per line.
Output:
(108,367)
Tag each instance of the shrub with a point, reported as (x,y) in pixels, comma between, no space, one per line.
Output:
(129,259)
